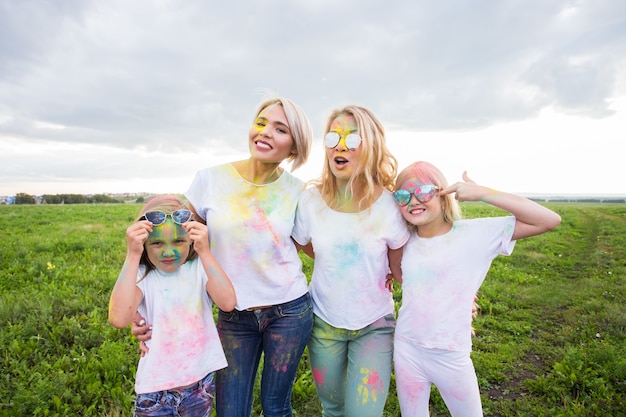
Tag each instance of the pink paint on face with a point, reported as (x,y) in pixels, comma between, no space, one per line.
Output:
(417,213)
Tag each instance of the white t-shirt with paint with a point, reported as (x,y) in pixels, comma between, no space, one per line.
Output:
(250,233)
(440,277)
(351,265)
(185,346)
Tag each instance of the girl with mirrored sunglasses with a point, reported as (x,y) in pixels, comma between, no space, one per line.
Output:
(171,277)
(348,222)
(444,263)
(249,207)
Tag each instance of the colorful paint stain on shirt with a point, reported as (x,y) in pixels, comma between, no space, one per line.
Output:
(250,233)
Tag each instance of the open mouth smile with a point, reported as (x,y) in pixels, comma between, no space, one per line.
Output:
(263,144)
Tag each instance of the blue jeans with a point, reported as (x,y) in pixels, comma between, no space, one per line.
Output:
(193,401)
(281,333)
(352,368)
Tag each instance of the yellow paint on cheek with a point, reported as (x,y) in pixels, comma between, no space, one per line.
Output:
(179,232)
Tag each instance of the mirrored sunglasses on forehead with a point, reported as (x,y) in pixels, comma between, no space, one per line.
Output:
(352,140)
(158,217)
(424,193)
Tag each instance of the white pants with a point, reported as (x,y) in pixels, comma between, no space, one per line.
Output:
(452,373)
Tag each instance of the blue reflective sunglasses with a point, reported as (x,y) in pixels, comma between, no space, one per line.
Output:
(424,193)
(158,217)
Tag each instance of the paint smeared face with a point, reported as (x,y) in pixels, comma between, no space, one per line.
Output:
(419,213)
(270,136)
(343,161)
(168,246)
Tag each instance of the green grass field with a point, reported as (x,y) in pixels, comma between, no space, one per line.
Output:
(550,336)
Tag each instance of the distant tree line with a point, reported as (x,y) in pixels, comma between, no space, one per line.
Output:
(581,200)
(77,199)
(23,198)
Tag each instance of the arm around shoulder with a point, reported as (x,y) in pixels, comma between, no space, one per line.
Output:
(306,249)
(395,263)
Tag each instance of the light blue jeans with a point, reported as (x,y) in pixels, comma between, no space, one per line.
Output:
(352,368)
(193,401)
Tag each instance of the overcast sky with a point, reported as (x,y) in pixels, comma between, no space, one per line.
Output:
(125,96)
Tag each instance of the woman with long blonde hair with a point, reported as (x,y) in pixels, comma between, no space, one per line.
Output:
(348,222)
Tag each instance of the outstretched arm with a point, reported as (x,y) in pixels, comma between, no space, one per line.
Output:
(531,218)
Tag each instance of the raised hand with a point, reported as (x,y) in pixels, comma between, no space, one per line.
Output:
(467,190)
(199,235)
(136,236)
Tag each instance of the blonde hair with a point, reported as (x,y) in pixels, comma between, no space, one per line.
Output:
(166,204)
(299,126)
(377,165)
(427,173)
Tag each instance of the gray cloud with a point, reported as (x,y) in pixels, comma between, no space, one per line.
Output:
(177,74)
